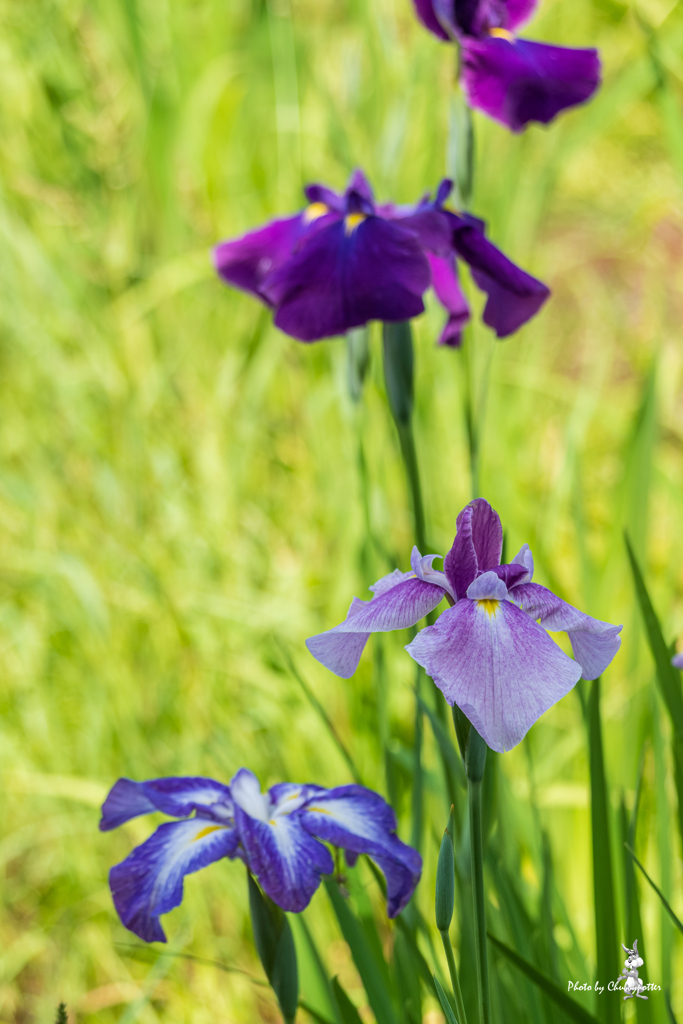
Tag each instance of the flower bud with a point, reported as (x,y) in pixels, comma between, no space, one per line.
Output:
(445,882)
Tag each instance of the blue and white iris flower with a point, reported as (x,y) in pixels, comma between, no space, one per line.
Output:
(280,835)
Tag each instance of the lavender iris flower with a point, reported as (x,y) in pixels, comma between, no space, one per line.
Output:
(513,80)
(488,652)
(677,661)
(344,260)
(276,834)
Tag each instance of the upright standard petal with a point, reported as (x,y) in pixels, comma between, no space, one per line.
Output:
(516,81)
(594,642)
(340,648)
(517,12)
(178,797)
(360,821)
(477,546)
(285,858)
(359,269)
(449,293)
(513,295)
(500,668)
(149,882)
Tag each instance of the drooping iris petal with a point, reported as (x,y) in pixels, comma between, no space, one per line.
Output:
(513,295)
(149,882)
(594,642)
(245,262)
(285,858)
(401,606)
(450,295)
(359,269)
(500,668)
(178,797)
(429,223)
(477,546)
(360,821)
(517,81)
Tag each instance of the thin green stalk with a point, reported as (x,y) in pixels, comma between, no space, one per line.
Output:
(417,799)
(459,1005)
(475,762)
(477,854)
(409,453)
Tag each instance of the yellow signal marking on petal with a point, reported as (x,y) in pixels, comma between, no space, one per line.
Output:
(489,604)
(502,33)
(318,810)
(272,822)
(351,222)
(314,211)
(207,830)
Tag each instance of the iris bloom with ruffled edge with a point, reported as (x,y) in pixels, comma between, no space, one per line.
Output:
(344,260)
(277,834)
(489,652)
(513,80)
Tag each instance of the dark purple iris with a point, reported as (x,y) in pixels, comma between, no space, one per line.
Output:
(512,80)
(344,260)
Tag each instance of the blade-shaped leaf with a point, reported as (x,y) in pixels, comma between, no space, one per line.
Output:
(320,710)
(275,946)
(606,941)
(314,1013)
(379,997)
(447,748)
(445,1005)
(315,980)
(546,984)
(659,892)
(349,1013)
(669,1009)
(667,676)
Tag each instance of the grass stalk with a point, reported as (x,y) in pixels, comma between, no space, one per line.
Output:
(452,970)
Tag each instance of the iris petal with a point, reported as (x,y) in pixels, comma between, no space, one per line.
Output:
(594,642)
(521,81)
(286,860)
(477,546)
(399,607)
(500,668)
(340,280)
(178,797)
(149,882)
(360,821)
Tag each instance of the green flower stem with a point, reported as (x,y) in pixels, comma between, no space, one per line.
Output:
(399,381)
(459,1005)
(407,442)
(476,760)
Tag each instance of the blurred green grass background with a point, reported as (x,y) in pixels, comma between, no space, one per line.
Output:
(178,481)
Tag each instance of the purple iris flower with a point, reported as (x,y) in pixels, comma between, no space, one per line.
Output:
(512,80)
(677,661)
(488,652)
(277,834)
(344,260)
